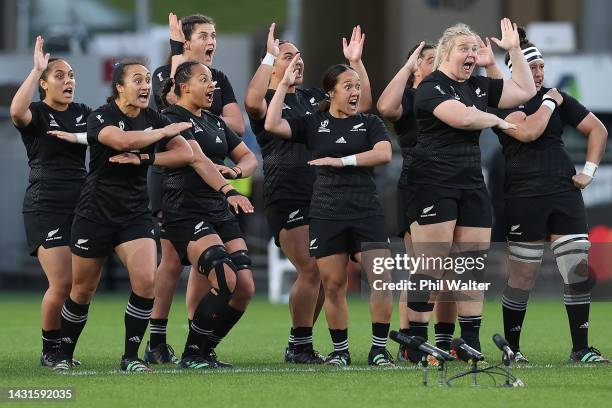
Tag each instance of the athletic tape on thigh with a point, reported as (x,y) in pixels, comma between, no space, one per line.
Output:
(572,251)
(528,252)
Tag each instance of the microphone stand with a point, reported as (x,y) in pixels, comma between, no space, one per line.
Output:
(441,372)
(425,365)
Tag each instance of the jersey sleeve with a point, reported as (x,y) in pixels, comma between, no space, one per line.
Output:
(227,92)
(493,87)
(158,77)
(233,140)
(98,120)
(407,105)
(299,128)
(429,95)
(572,112)
(377,131)
(36,111)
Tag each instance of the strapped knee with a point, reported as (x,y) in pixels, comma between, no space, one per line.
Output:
(241,259)
(571,253)
(528,252)
(419,298)
(215,258)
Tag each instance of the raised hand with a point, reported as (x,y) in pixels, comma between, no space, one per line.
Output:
(41,60)
(174,129)
(272,43)
(290,72)
(125,158)
(510,36)
(413,61)
(176,28)
(485,57)
(556,95)
(327,161)
(354,48)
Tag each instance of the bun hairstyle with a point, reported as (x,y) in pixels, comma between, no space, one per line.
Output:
(117,76)
(523,41)
(41,92)
(182,75)
(330,79)
(426,47)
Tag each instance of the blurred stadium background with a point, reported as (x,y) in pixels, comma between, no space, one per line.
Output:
(575,37)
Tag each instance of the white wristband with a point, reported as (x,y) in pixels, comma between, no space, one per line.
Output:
(589,169)
(268,59)
(349,160)
(81,138)
(549,104)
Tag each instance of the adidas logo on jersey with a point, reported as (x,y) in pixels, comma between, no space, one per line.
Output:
(218,140)
(514,228)
(426,212)
(52,122)
(341,140)
(285,106)
(312,243)
(358,128)
(135,339)
(323,128)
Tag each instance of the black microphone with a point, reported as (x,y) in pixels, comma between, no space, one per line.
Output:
(503,345)
(465,352)
(419,343)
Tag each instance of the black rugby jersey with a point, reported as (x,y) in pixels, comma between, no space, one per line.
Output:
(223,94)
(184,192)
(543,166)
(287,176)
(446,156)
(115,193)
(341,192)
(57,167)
(406,130)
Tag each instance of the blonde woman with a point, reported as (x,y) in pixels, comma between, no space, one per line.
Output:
(452,208)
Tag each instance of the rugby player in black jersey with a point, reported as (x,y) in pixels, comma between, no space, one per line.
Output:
(397,105)
(543,202)
(288,179)
(193,37)
(451,205)
(345,215)
(112,213)
(57,174)
(198,228)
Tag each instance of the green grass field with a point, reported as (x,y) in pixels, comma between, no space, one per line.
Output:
(261,379)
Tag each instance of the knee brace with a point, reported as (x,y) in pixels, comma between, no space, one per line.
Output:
(419,298)
(215,257)
(529,252)
(241,259)
(571,253)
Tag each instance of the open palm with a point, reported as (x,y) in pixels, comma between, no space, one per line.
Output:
(510,37)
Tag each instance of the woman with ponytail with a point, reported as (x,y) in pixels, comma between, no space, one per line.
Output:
(198,228)
(543,203)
